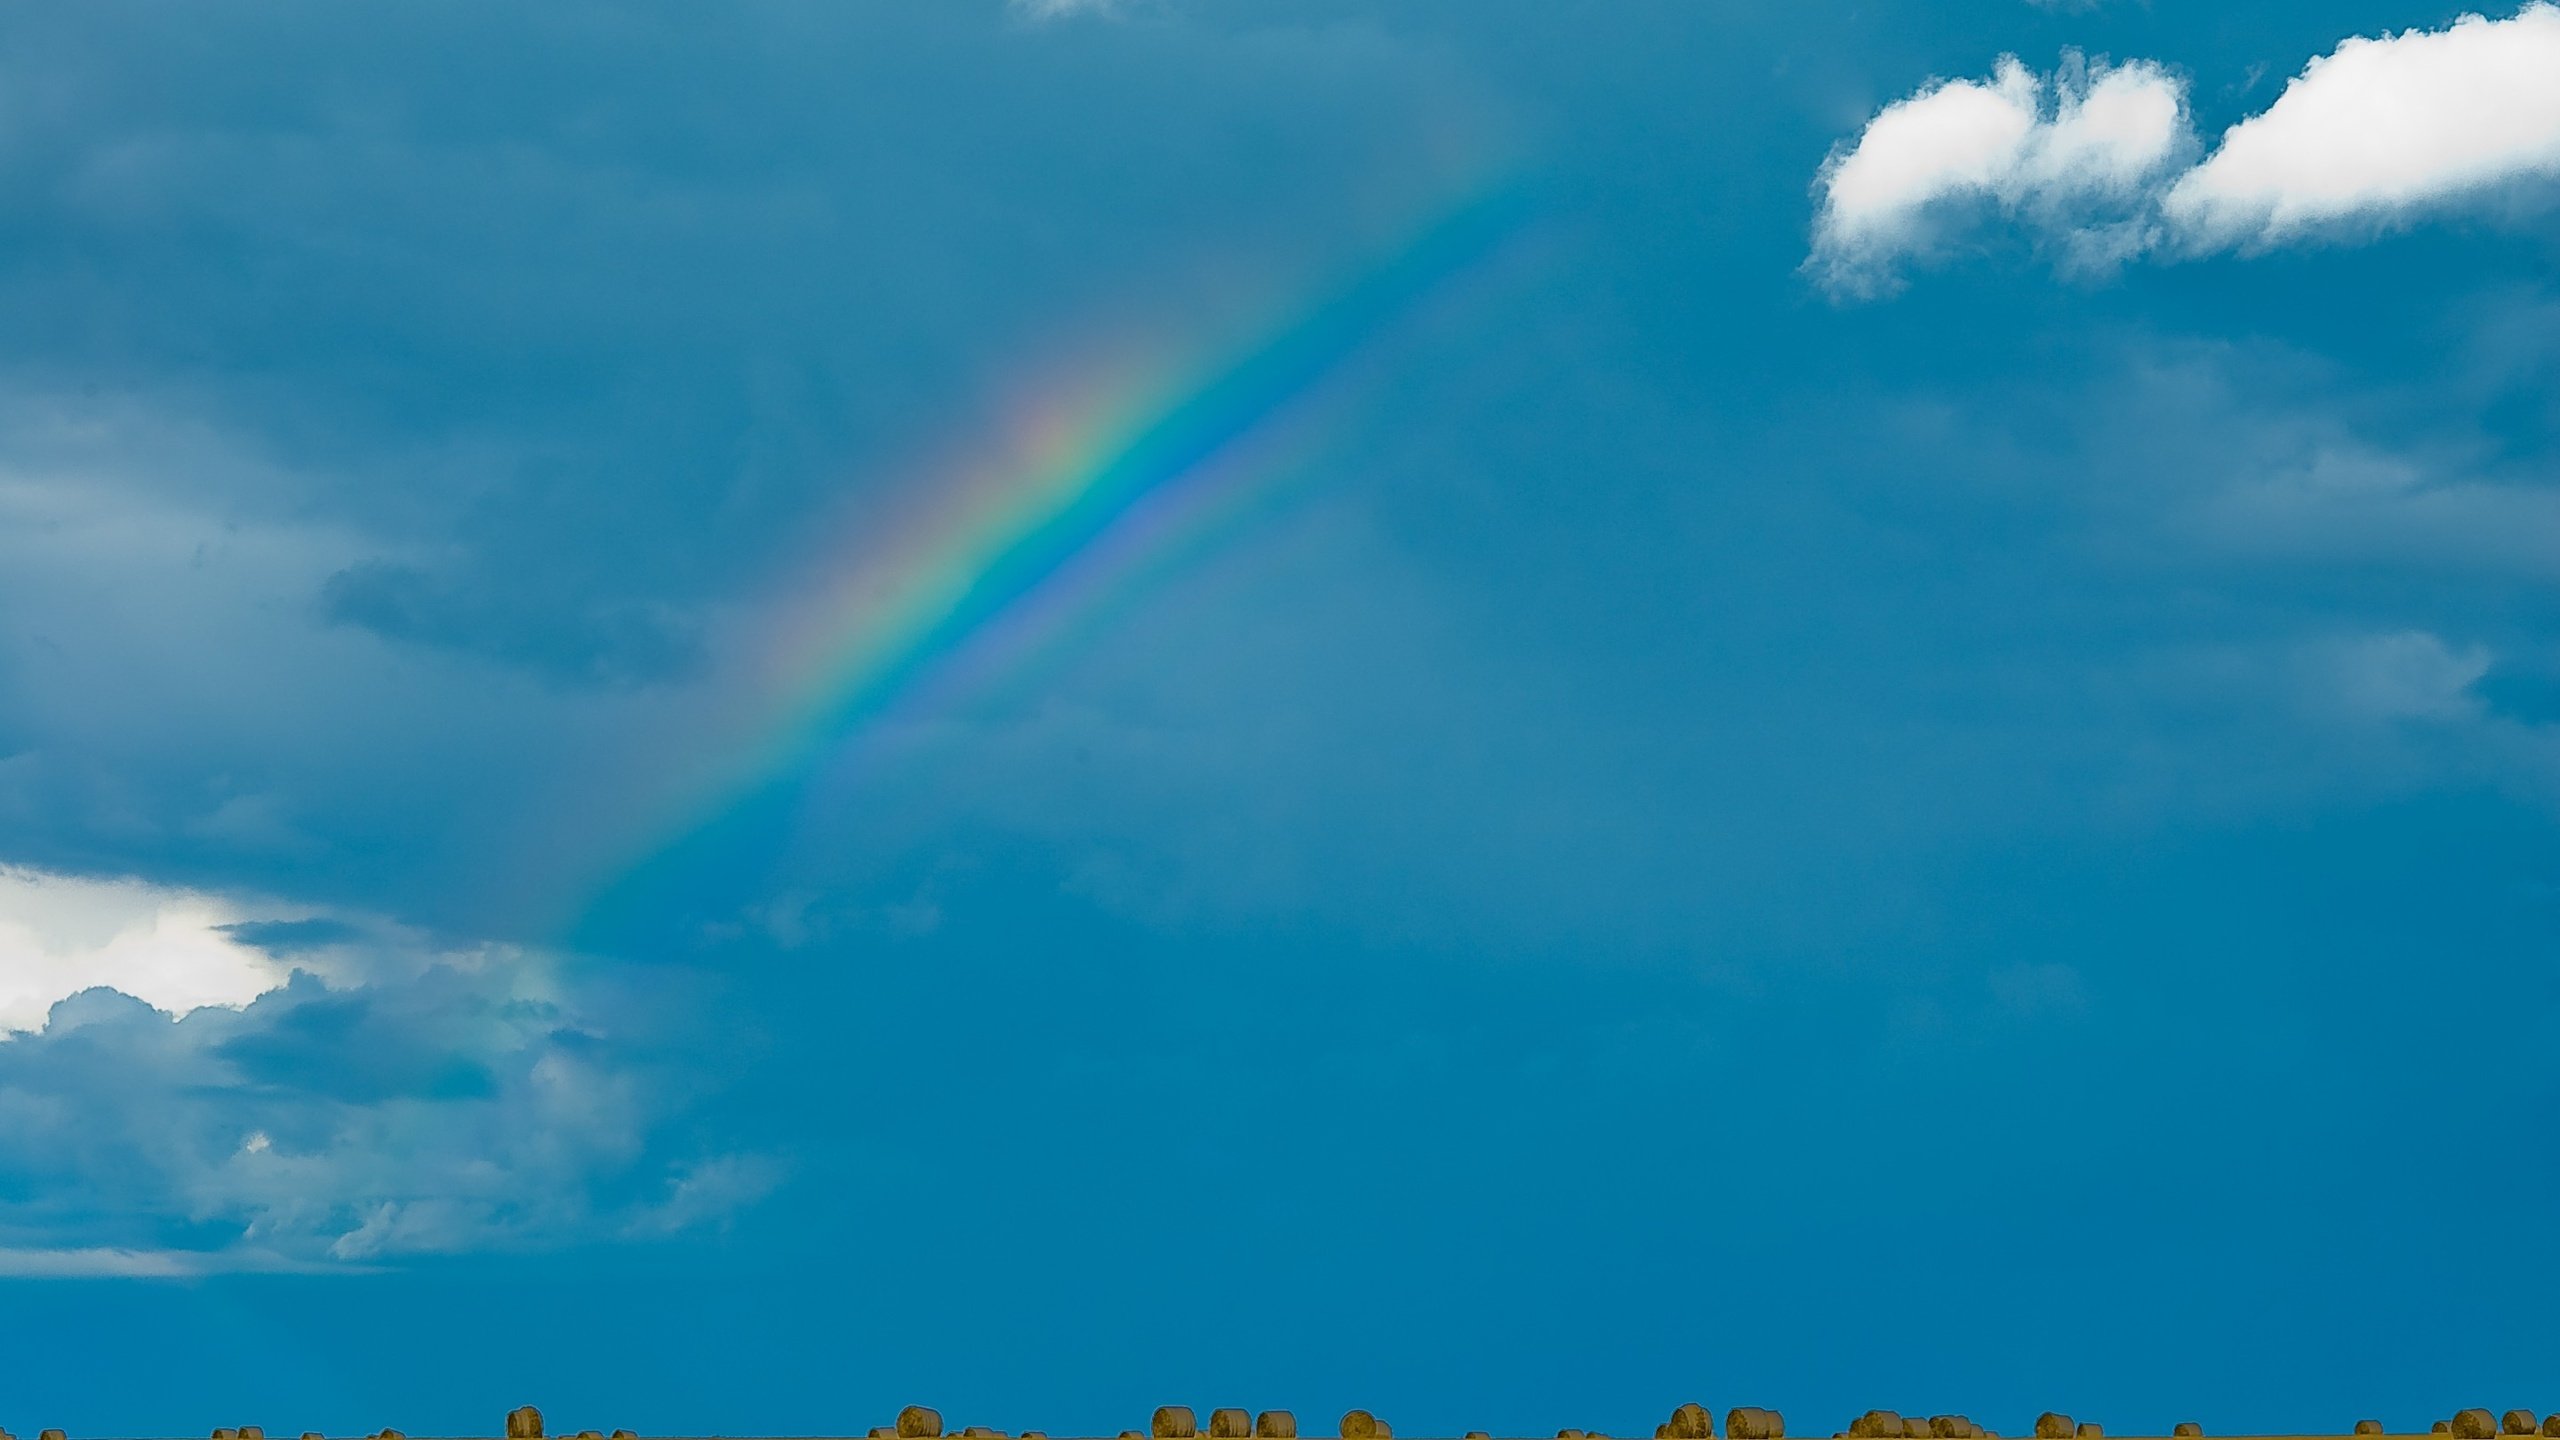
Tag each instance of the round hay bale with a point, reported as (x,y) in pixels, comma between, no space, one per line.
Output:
(2519,1422)
(2053,1425)
(2473,1424)
(1947,1427)
(2188,1429)
(1568,1435)
(1173,1422)
(624,1435)
(884,1432)
(1361,1425)
(2368,1427)
(49,1435)
(1131,1435)
(918,1422)
(2551,1423)
(1750,1422)
(253,1432)
(1276,1425)
(1230,1424)
(1691,1422)
(1915,1427)
(1876,1422)
(225,1432)
(2091,1430)
(2441,1427)
(524,1423)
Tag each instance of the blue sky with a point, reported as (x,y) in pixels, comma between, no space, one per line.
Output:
(1821,706)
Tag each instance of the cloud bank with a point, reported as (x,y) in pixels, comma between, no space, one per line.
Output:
(2376,133)
(211,1085)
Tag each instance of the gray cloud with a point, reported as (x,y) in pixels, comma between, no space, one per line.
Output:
(390,1099)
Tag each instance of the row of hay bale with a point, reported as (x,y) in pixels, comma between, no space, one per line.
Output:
(2475,1424)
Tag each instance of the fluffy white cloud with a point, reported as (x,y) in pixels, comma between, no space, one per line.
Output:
(2375,132)
(217,1084)
(2064,165)
(2383,127)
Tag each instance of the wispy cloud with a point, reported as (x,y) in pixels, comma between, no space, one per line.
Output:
(2376,133)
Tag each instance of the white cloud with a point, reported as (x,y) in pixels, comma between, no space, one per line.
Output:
(2064,166)
(2382,128)
(314,1092)
(62,934)
(2374,133)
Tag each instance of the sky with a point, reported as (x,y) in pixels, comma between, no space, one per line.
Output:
(721,717)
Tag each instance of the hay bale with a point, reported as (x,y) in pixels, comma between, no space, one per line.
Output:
(2518,1422)
(1568,1435)
(2368,1427)
(524,1423)
(1230,1424)
(2053,1425)
(1750,1422)
(1691,1422)
(1361,1425)
(624,1435)
(1915,1427)
(884,1432)
(1173,1422)
(1276,1425)
(225,1432)
(2188,1429)
(1876,1423)
(2091,1430)
(2551,1423)
(253,1432)
(918,1422)
(2473,1424)
(1947,1427)
(49,1435)
(2441,1427)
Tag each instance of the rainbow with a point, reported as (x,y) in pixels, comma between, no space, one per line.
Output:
(1097,489)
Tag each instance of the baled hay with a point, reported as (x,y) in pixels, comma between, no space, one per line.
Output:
(1691,1422)
(2518,1422)
(1750,1422)
(2053,1425)
(1230,1424)
(2473,1424)
(1173,1422)
(1276,1425)
(524,1423)
(2188,1429)
(1361,1425)
(2551,1423)
(919,1422)
(2368,1427)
